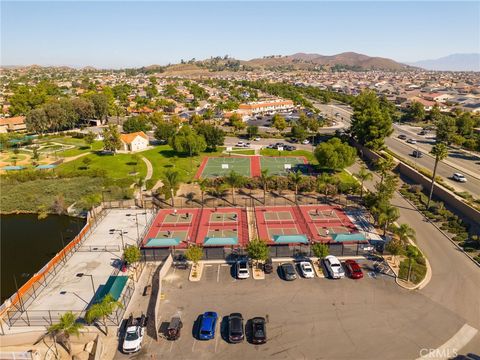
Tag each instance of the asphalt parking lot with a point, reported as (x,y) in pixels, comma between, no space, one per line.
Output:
(370,318)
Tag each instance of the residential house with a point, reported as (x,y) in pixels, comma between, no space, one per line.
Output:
(136,141)
(16,123)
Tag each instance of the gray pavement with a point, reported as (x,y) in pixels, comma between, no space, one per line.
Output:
(455,282)
(372,318)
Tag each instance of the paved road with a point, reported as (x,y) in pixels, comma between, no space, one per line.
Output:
(455,282)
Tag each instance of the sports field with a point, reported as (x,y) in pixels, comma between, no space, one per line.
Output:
(282,165)
(221,166)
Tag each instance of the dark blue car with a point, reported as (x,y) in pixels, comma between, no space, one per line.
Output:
(207,326)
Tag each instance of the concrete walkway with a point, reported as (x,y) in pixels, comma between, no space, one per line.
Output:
(149,168)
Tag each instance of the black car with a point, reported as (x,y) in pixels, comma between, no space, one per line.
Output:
(259,330)
(235,328)
(402,137)
(417,154)
(288,271)
(268,266)
(180,262)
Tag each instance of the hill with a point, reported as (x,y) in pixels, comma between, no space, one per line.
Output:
(454,62)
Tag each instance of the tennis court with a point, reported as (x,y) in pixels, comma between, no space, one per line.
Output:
(177,218)
(277,215)
(222,233)
(221,166)
(325,231)
(222,218)
(181,235)
(282,165)
(323,215)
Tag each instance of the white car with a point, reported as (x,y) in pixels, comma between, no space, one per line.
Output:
(240,144)
(411,141)
(305,142)
(256,139)
(459,177)
(134,333)
(242,270)
(307,270)
(334,267)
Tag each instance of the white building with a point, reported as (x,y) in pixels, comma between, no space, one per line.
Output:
(135,141)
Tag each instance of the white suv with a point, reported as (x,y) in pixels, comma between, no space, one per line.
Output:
(242,270)
(334,267)
(459,177)
(307,269)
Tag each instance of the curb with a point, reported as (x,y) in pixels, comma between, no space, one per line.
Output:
(200,272)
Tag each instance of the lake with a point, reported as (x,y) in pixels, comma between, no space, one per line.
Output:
(27,244)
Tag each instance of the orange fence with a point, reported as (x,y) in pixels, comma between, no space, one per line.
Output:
(41,275)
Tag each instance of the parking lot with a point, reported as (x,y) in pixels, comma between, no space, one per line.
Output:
(306,318)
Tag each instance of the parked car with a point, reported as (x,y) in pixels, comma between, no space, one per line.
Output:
(240,144)
(288,271)
(268,266)
(207,325)
(259,330)
(235,328)
(423,132)
(459,177)
(307,269)
(411,141)
(402,137)
(305,142)
(174,328)
(334,267)
(353,269)
(256,139)
(289,148)
(135,330)
(417,154)
(242,269)
(180,262)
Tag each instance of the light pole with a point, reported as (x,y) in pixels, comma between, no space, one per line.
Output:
(80,275)
(121,232)
(136,221)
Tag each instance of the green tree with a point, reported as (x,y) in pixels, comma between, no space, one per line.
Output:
(194,253)
(386,215)
(371,123)
(252,131)
(395,247)
(320,250)
(37,121)
(213,136)
(102,310)
(237,122)
(171,182)
(384,166)
(64,329)
(257,249)
(465,124)
(136,124)
(299,132)
(325,185)
(416,111)
(111,138)
(296,178)
(132,254)
(186,141)
(84,108)
(363,175)
(164,130)
(435,113)
(279,122)
(446,129)
(89,138)
(412,253)
(235,181)
(100,105)
(264,180)
(203,184)
(440,151)
(334,154)
(404,232)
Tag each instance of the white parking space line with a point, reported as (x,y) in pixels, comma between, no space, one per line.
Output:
(218,274)
(216,338)
(171,346)
(193,345)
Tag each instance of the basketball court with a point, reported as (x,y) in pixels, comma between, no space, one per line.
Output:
(282,165)
(212,167)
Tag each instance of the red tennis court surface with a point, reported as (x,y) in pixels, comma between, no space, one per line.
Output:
(208,227)
(316,222)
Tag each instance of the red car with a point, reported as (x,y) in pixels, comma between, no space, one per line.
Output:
(353,269)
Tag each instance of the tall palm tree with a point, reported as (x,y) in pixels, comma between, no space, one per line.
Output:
(203,184)
(234,180)
(387,214)
(404,232)
(363,175)
(66,327)
(264,180)
(384,166)
(102,310)
(296,178)
(411,253)
(171,180)
(440,151)
(323,182)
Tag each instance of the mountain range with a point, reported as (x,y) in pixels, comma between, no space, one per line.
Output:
(454,62)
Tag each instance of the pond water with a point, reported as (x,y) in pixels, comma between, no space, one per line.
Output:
(28,243)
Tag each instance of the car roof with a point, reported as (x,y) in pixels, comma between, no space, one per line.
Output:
(258,319)
(332,259)
(458,174)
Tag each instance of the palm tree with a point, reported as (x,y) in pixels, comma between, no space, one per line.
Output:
(411,253)
(296,178)
(218,190)
(203,184)
(440,151)
(384,165)
(404,232)
(363,175)
(102,310)
(171,179)
(387,214)
(324,184)
(66,327)
(264,179)
(234,180)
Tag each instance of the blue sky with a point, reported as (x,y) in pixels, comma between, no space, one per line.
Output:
(120,33)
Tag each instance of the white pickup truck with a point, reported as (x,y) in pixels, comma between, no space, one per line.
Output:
(135,330)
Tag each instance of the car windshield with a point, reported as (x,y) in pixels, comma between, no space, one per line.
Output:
(335,265)
(131,336)
(205,332)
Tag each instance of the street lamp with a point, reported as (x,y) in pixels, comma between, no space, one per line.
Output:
(121,232)
(136,221)
(80,275)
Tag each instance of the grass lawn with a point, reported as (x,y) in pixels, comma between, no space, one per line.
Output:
(84,148)
(118,166)
(345,177)
(243,152)
(307,154)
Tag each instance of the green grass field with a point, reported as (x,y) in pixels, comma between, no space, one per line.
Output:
(221,166)
(276,165)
